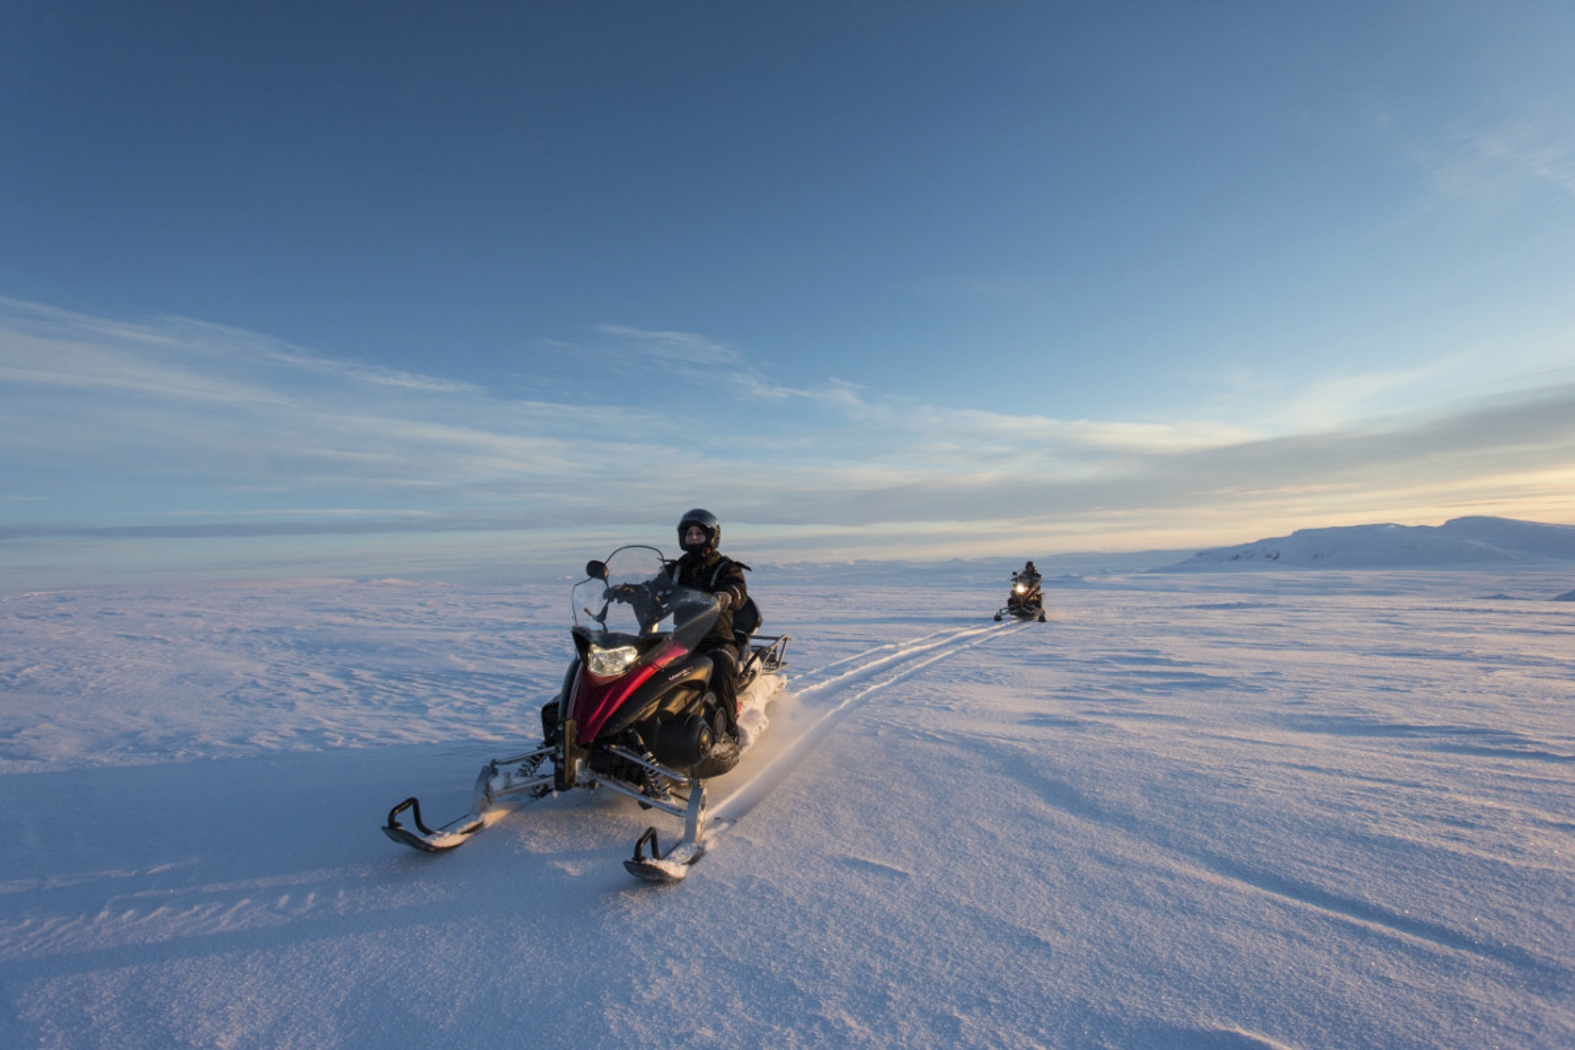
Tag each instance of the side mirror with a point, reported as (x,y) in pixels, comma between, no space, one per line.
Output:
(596,570)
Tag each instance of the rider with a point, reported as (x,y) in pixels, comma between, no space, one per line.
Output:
(1025,596)
(704,568)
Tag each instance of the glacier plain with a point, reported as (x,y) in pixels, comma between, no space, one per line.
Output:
(1294,809)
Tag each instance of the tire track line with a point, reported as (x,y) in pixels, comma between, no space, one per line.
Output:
(886,647)
(750,794)
(905,651)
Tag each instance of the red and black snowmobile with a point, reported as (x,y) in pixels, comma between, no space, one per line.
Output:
(637,712)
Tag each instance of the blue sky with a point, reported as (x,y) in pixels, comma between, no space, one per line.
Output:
(386,287)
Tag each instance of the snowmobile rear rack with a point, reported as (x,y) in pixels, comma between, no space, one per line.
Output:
(766,654)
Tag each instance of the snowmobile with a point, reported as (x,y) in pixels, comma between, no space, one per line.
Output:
(637,713)
(1025,600)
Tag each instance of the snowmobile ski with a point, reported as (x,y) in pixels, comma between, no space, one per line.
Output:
(452,834)
(498,779)
(659,867)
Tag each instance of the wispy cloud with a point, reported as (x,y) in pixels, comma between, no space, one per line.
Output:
(1501,162)
(697,359)
(1527,147)
(1344,398)
(372,375)
(675,349)
(115,433)
(175,398)
(172,357)
(69,362)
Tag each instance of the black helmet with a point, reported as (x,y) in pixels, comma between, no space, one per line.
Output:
(707,521)
(1030,567)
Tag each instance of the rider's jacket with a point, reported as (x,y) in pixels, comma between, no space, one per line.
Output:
(714,573)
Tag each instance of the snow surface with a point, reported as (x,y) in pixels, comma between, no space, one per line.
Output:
(1291,809)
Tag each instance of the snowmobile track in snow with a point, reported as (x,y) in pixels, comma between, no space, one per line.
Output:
(903,660)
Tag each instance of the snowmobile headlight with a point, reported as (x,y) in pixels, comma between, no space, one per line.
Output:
(604,663)
(1019,588)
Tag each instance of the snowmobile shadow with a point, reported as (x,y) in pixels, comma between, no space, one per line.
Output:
(158,864)
(220,820)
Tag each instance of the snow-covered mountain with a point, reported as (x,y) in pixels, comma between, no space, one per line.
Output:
(1460,542)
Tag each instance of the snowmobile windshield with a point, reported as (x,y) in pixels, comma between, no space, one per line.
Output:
(636,598)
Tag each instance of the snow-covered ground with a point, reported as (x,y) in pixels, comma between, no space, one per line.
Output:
(1277,809)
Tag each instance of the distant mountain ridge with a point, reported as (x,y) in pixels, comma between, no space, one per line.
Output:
(1469,541)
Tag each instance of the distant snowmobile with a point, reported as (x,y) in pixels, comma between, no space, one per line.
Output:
(1026,600)
(637,712)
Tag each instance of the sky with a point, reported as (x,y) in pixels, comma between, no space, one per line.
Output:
(418,289)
